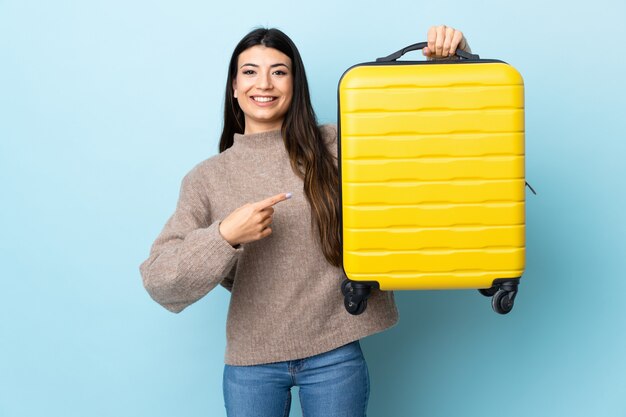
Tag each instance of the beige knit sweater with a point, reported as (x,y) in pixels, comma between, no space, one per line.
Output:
(286,301)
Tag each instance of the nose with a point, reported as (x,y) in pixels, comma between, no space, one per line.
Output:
(264,81)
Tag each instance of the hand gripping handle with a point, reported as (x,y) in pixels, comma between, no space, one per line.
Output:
(421,45)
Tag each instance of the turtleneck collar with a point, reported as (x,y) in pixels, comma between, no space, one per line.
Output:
(262,140)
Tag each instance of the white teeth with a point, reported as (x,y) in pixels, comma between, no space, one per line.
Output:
(263,99)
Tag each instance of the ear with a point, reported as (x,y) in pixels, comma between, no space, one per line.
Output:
(235,88)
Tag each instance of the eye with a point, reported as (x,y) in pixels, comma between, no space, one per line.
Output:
(247,72)
(279,72)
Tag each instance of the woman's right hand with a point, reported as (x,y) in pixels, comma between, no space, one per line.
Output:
(443,42)
(251,221)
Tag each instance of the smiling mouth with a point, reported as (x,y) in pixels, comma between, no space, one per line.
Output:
(263,99)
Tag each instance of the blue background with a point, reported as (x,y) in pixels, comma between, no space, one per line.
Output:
(105,105)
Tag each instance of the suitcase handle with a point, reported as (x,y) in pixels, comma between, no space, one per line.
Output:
(421,45)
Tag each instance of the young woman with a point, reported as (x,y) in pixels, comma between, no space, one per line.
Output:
(261,218)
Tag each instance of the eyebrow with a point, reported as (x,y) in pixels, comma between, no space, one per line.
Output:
(271,66)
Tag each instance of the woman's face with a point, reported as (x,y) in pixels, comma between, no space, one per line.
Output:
(263,87)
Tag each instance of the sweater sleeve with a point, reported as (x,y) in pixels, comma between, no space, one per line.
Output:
(189,257)
(229,280)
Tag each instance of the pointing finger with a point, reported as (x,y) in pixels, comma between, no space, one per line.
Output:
(270,201)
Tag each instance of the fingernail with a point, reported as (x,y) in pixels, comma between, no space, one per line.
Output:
(289,195)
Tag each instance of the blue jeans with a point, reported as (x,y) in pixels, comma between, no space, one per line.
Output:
(332,384)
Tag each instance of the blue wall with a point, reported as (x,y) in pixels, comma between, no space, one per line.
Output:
(105,105)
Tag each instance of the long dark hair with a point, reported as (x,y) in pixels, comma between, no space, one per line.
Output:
(310,158)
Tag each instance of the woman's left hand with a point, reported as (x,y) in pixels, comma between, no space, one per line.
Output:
(443,41)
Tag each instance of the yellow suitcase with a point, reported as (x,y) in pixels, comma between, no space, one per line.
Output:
(432,177)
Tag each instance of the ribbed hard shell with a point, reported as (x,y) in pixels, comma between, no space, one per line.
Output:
(432,174)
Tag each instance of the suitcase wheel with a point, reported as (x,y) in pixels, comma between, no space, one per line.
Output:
(502,301)
(503,292)
(355,296)
(355,308)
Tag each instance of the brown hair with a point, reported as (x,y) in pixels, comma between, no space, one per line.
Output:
(310,158)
